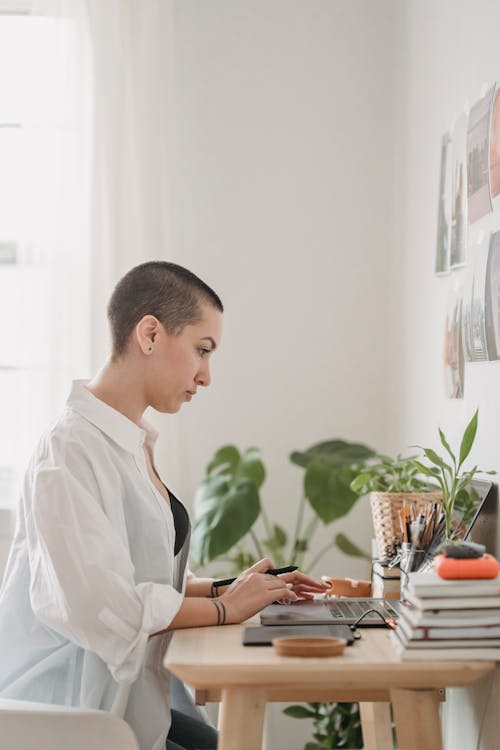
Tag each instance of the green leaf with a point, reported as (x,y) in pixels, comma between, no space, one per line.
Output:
(226,459)
(349,548)
(299,712)
(446,445)
(280,535)
(424,469)
(301,545)
(251,467)
(225,512)
(334,452)
(328,490)
(359,483)
(468,438)
(435,459)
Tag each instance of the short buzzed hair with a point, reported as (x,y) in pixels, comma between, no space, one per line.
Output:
(169,292)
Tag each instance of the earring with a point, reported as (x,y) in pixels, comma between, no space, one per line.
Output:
(150,349)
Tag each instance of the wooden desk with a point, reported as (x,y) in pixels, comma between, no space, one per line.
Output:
(213,660)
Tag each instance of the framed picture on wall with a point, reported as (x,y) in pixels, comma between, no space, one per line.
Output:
(478,157)
(494,165)
(493,297)
(474,304)
(444,214)
(458,225)
(453,353)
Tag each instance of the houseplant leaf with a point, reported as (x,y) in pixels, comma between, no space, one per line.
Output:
(327,488)
(225,512)
(446,445)
(226,460)
(250,467)
(468,439)
(349,548)
(334,452)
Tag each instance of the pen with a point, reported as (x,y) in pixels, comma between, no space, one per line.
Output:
(270,572)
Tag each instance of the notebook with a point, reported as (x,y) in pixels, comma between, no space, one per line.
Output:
(255,636)
(331,611)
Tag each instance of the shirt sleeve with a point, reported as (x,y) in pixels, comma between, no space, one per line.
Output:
(82,577)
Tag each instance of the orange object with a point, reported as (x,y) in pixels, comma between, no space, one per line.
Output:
(309,646)
(486,566)
(347,587)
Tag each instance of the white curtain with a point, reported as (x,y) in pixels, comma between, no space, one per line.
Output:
(87,197)
(133,128)
(134,137)
(45,150)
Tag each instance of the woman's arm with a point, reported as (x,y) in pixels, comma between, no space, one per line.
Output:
(250,593)
(198,587)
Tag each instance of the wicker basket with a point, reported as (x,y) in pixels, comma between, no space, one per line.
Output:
(385,507)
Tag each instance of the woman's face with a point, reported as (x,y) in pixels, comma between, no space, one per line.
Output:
(178,365)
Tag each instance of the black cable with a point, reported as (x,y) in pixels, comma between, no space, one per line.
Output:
(389,623)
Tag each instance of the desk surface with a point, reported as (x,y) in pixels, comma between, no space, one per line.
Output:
(244,678)
(215,657)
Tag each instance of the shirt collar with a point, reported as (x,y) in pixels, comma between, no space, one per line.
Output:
(113,423)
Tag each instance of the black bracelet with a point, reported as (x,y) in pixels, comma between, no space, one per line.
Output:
(223,613)
(216,605)
(213,590)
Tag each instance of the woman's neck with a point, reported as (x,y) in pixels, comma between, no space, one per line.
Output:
(116,385)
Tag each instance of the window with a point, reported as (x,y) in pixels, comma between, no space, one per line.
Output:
(44,227)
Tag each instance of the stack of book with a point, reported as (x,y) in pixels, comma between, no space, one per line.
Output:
(447,619)
(385,580)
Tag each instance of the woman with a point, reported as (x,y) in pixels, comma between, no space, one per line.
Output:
(96,580)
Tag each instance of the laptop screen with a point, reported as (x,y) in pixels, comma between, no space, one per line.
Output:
(474,519)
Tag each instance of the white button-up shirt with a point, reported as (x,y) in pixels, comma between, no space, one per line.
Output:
(91,573)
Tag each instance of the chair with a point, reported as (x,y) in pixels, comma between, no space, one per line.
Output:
(41,726)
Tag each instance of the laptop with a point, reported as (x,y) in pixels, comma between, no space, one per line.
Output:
(329,610)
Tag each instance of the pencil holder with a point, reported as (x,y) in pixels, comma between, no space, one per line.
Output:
(385,507)
(411,559)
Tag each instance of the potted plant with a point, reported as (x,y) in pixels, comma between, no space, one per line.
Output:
(453,481)
(392,483)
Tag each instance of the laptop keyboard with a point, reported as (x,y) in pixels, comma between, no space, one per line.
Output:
(342,609)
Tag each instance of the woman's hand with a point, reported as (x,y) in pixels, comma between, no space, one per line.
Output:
(252,591)
(304,586)
(260,567)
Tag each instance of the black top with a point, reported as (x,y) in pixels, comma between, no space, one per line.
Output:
(181,521)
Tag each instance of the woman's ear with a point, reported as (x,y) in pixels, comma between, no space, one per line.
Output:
(146,331)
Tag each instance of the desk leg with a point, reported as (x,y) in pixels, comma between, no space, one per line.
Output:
(416,713)
(241,718)
(376,725)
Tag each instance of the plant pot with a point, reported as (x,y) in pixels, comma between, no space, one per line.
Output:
(385,508)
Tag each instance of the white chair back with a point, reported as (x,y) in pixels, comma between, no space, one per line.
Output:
(40,726)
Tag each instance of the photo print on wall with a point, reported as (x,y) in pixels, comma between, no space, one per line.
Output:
(468,237)
(458,227)
(454,366)
(473,306)
(493,298)
(444,218)
(494,166)
(478,158)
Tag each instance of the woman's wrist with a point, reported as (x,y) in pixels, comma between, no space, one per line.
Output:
(221,612)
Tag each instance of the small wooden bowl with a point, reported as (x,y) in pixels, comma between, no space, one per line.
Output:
(321,646)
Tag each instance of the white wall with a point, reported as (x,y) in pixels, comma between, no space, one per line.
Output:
(285,113)
(285,132)
(448,49)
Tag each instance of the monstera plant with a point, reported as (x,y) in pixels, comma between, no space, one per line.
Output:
(228,505)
